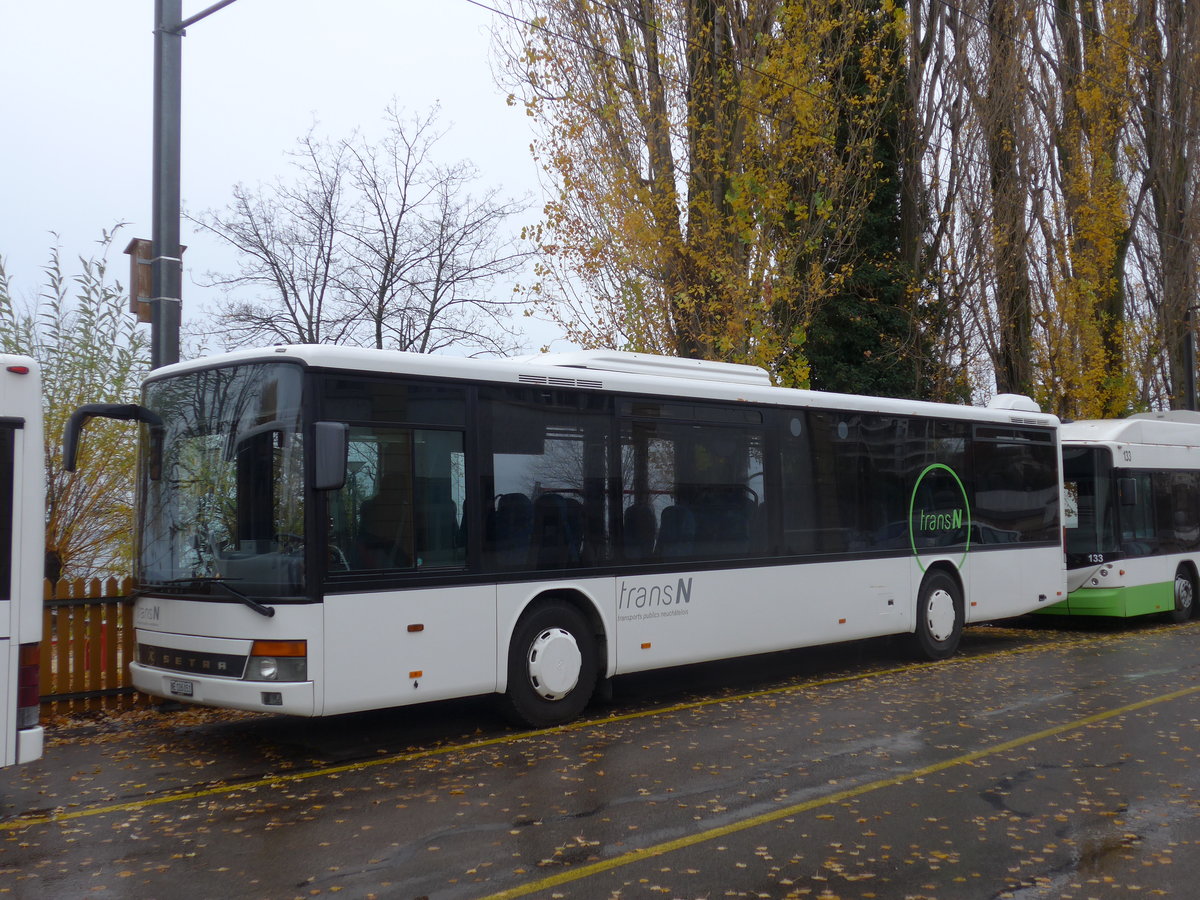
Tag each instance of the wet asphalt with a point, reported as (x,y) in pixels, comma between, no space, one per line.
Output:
(1045,760)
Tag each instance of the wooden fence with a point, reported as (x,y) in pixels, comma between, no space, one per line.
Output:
(87,643)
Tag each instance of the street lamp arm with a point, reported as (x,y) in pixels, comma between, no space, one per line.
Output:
(203,14)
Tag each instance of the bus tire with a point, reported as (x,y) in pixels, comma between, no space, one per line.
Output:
(1185,596)
(552,668)
(939,616)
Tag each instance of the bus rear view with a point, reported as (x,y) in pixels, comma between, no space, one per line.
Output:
(22,526)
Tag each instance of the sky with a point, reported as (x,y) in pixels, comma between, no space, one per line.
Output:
(75,112)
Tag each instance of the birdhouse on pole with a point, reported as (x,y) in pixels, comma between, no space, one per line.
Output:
(141,280)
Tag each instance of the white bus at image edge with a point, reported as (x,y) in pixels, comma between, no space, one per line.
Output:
(22,558)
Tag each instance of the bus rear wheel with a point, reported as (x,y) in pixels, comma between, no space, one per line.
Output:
(1185,596)
(552,667)
(939,616)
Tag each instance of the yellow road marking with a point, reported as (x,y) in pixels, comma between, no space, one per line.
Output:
(700,837)
(20,822)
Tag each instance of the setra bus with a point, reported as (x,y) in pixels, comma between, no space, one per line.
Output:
(325,529)
(22,557)
(1132,515)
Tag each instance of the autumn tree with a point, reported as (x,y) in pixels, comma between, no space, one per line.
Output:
(941,205)
(370,243)
(1084,365)
(873,336)
(706,186)
(1021,112)
(80,330)
(1001,101)
(1167,44)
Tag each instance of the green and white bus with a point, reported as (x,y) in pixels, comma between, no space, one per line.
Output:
(1132,515)
(22,558)
(326,529)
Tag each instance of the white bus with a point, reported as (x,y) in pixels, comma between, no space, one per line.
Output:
(1132,515)
(325,529)
(22,558)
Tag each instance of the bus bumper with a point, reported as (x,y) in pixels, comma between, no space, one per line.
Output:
(1118,602)
(296,698)
(29,744)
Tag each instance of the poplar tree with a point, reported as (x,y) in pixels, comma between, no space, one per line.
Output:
(707,188)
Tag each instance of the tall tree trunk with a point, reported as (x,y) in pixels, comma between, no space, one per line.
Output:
(1172,134)
(1003,130)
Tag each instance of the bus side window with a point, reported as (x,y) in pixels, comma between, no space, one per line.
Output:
(545,469)
(402,504)
(693,489)
(1137,514)
(1017,494)
(799,483)
(1185,492)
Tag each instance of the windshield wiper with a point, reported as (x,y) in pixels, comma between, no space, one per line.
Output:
(259,608)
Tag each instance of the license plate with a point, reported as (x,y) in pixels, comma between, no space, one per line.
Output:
(181,688)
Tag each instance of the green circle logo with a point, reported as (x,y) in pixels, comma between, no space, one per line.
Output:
(942,520)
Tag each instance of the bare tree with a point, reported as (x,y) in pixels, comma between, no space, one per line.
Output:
(425,252)
(289,249)
(373,244)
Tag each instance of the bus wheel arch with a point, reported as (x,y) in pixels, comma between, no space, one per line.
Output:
(556,657)
(1184,593)
(941,613)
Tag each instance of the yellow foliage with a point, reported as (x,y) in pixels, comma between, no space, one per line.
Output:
(1084,349)
(704,199)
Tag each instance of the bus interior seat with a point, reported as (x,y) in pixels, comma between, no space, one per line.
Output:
(509,529)
(556,533)
(382,528)
(640,529)
(676,533)
(437,526)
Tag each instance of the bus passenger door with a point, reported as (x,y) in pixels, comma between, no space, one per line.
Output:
(404,623)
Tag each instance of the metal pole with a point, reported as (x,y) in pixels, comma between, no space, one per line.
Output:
(1189,359)
(165,267)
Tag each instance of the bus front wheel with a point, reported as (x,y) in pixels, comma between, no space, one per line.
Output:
(1185,596)
(939,616)
(551,666)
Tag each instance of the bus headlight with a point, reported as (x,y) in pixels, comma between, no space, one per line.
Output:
(278,661)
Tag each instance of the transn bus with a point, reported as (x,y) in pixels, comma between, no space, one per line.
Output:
(324,529)
(1132,497)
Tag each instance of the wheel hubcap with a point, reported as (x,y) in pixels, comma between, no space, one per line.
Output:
(554,663)
(1183,592)
(940,615)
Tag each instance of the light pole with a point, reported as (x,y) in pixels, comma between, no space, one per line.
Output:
(166,268)
(1189,359)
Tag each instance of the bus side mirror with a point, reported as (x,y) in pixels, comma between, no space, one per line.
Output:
(125,412)
(330,454)
(1127,491)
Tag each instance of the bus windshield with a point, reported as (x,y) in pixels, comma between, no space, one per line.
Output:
(223,482)
(1089,505)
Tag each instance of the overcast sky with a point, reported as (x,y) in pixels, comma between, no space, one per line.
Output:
(75,110)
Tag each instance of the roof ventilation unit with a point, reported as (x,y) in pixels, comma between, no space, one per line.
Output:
(650,364)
